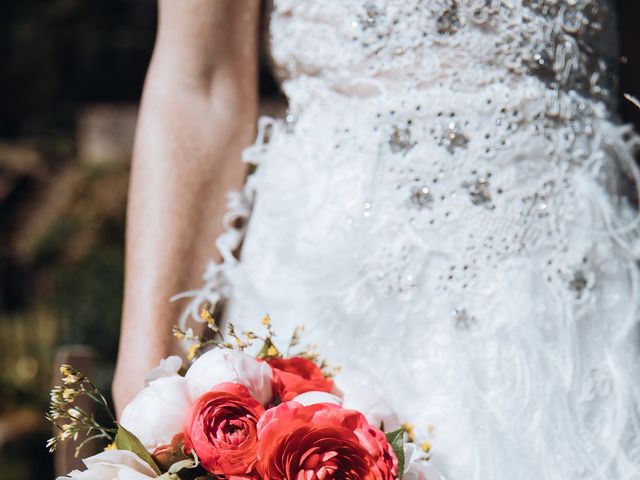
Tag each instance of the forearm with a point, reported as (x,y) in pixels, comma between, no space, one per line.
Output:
(187,156)
(198,112)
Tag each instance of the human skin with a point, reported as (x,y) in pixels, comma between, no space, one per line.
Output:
(198,111)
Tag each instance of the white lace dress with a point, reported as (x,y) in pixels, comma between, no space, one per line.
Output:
(443,207)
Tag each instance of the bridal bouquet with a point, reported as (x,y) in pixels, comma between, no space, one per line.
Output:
(237,416)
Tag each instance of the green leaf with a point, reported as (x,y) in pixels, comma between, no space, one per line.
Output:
(396,440)
(125,440)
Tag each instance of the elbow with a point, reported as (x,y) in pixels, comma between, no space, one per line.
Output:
(223,90)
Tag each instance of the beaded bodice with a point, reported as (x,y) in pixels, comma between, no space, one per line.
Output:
(363,46)
(464,118)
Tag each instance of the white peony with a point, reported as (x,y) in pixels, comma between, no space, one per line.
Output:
(223,365)
(361,392)
(168,367)
(415,468)
(113,465)
(311,398)
(159,411)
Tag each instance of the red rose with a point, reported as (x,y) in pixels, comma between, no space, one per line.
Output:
(322,442)
(222,430)
(293,376)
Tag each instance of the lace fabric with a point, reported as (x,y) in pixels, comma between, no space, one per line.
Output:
(445,207)
(567,44)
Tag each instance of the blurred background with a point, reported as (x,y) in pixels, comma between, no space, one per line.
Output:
(70,79)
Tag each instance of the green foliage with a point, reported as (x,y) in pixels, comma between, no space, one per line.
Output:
(125,440)
(396,440)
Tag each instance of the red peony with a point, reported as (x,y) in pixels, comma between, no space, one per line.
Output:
(293,376)
(322,442)
(222,430)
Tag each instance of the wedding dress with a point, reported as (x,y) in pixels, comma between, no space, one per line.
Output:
(445,207)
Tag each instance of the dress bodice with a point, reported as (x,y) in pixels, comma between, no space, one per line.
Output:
(364,46)
(443,208)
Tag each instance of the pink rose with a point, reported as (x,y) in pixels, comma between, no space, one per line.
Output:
(322,441)
(222,430)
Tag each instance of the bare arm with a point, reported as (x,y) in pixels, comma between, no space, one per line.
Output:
(198,112)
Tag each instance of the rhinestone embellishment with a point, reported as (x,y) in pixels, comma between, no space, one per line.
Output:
(578,283)
(421,197)
(370,17)
(400,140)
(462,319)
(453,138)
(448,21)
(479,191)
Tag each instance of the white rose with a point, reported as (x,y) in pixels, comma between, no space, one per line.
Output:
(113,465)
(158,412)
(311,398)
(168,367)
(223,365)
(362,393)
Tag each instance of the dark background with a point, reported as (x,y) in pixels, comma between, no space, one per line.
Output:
(71,76)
